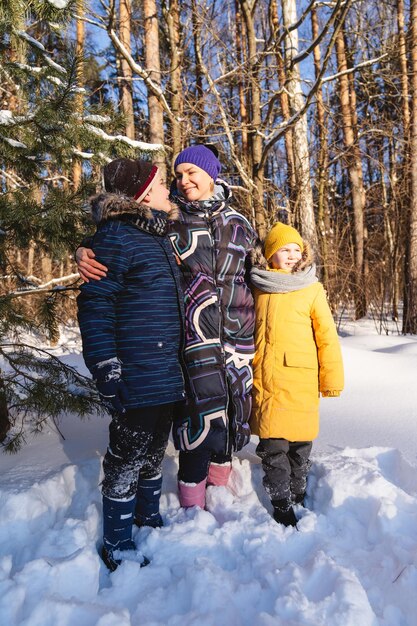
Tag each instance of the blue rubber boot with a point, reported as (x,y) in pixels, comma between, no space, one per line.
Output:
(117,531)
(148,494)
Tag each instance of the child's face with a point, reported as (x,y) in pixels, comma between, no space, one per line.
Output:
(158,195)
(286,257)
(193,183)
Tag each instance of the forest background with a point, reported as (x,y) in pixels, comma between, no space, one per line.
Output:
(311,105)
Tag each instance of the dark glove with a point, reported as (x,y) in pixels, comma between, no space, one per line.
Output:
(110,386)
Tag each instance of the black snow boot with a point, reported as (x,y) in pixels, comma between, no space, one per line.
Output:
(148,494)
(112,563)
(298,498)
(284,513)
(117,532)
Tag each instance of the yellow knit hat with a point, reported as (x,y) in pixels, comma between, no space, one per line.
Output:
(280,235)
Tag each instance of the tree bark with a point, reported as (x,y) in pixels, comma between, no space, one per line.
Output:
(304,202)
(410,286)
(174,40)
(5,423)
(153,66)
(243,109)
(125,80)
(354,168)
(326,238)
(255,121)
(79,51)
(199,91)
(285,108)
(403,64)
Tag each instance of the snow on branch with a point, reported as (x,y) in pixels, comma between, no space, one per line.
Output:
(8,119)
(36,44)
(140,145)
(13,142)
(354,69)
(59,4)
(56,284)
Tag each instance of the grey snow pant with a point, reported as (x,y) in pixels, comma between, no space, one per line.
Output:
(286,465)
(137,444)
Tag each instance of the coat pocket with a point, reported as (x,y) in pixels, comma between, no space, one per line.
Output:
(301,359)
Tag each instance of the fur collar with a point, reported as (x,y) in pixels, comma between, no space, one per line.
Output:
(222,195)
(107,206)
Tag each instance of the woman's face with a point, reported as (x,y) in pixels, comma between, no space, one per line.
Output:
(193,183)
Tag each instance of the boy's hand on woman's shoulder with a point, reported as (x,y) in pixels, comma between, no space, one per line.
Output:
(88,267)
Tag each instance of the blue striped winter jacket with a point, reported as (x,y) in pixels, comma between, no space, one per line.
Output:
(135,313)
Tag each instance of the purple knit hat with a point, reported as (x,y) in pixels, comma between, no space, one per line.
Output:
(201,156)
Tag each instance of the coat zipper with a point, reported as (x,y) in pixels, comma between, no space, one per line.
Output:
(209,221)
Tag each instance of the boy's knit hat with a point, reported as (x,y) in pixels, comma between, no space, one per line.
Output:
(203,157)
(131,178)
(280,235)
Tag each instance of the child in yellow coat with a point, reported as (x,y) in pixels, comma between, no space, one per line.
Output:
(297,357)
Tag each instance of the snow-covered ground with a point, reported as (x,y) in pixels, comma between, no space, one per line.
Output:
(352,561)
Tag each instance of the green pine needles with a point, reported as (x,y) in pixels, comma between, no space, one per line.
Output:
(54,139)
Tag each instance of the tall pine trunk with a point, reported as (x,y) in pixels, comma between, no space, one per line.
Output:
(326,234)
(304,202)
(125,86)
(175,53)
(79,51)
(255,120)
(286,114)
(153,66)
(410,286)
(354,168)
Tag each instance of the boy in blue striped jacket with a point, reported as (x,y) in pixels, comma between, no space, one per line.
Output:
(131,324)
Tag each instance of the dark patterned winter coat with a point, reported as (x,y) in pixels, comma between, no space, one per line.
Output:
(135,313)
(213,242)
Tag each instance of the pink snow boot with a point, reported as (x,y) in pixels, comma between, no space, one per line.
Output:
(219,474)
(192,494)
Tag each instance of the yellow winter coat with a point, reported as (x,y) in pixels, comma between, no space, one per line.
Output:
(297,356)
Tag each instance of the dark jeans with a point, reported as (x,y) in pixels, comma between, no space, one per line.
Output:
(194,466)
(286,465)
(137,444)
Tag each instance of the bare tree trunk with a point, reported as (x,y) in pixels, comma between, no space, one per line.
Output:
(403,64)
(256,121)
(31,257)
(285,108)
(400,167)
(326,238)
(392,241)
(152,62)
(79,51)
(46,265)
(305,208)
(243,110)
(410,286)
(125,80)
(173,22)
(354,167)
(199,91)
(5,424)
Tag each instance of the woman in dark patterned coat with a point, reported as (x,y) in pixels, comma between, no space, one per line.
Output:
(212,242)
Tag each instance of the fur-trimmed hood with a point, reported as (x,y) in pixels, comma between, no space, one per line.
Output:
(107,206)
(258,259)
